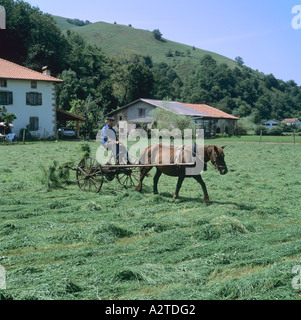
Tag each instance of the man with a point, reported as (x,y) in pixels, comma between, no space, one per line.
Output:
(109,140)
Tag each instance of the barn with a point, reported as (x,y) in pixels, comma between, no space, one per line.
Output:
(210,119)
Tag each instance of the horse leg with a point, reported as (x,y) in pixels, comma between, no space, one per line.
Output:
(143,173)
(179,184)
(156,179)
(202,183)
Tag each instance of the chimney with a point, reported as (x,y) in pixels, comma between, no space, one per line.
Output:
(46,71)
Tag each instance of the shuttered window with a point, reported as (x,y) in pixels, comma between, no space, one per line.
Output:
(33,99)
(6,98)
(141,113)
(3,83)
(33,123)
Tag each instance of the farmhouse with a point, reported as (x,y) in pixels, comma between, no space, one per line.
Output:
(30,95)
(292,121)
(271,124)
(210,119)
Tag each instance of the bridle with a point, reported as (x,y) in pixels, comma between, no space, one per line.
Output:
(215,163)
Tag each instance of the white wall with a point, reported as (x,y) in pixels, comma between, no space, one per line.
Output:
(46,112)
(133,111)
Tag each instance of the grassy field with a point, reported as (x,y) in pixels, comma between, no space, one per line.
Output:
(61,243)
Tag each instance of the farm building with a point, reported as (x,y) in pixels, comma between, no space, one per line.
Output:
(210,119)
(271,124)
(30,96)
(292,121)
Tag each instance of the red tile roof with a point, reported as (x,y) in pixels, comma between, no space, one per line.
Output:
(293,120)
(210,111)
(10,70)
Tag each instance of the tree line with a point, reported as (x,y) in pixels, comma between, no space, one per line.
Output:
(96,83)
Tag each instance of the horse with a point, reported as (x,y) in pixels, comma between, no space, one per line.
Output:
(161,154)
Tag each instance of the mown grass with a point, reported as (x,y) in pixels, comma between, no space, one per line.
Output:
(60,243)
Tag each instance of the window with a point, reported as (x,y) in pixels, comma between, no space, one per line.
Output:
(34,84)
(3,83)
(33,123)
(6,98)
(141,113)
(33,99)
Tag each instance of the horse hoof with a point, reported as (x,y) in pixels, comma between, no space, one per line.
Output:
(175,197)
(207,200)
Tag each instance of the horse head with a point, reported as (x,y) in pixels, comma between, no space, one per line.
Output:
(217,157)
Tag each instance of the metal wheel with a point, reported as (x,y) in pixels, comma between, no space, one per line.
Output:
(129,177)
(89,175)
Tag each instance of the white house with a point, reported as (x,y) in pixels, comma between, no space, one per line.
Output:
(30,95)
(292,121)
(271,124)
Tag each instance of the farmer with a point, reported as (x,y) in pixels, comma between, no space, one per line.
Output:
(109,140)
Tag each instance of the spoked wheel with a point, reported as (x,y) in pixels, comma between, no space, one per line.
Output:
(89,175)
(129,177)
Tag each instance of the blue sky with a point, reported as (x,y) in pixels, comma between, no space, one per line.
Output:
(260,31)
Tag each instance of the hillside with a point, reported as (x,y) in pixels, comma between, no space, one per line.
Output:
(121,41)
(192,74)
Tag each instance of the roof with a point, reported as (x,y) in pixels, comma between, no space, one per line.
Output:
(68,116)
(11,70)
(210,111)
(271,120)
(291,120)
(175,107)
(193,110)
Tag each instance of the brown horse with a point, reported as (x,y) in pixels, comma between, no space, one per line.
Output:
(166,154)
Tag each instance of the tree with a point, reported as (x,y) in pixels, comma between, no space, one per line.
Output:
(157,34)
(32,38)
(92,112)
(239,61)
(133,81)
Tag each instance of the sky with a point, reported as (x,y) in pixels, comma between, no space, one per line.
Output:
(262,32)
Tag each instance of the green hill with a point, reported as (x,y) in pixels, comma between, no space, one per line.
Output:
(122,41)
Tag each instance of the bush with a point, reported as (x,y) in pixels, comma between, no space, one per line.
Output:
(241,129)
(54,177)
(85,148)
(276,131)
(262,129)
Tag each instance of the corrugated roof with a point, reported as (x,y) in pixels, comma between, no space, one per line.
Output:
(10,70)
(175,107)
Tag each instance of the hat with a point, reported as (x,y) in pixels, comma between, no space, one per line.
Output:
(110,118)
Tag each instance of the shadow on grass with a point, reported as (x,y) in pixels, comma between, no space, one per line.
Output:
(239,206)
(169,197)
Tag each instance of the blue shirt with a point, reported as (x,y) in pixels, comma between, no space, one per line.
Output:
(108,133)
